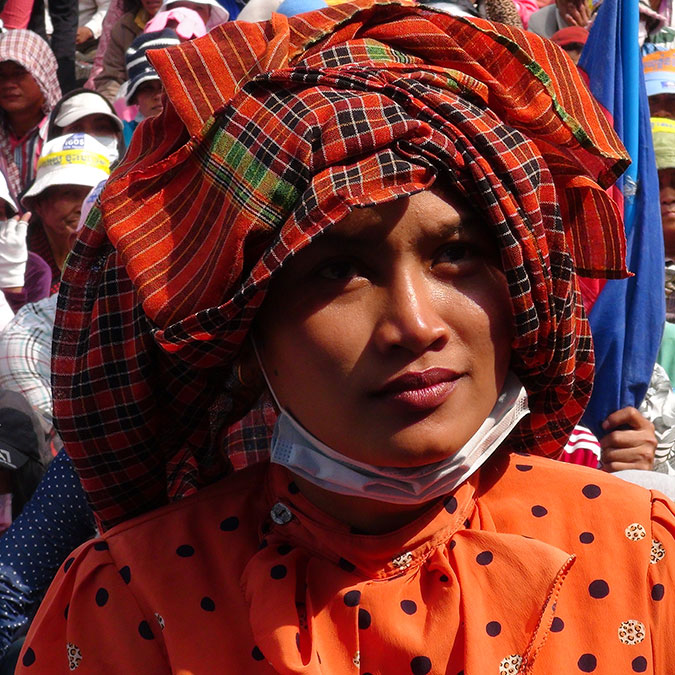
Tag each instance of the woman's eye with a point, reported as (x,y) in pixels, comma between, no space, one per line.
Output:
(338,270)
(456,253)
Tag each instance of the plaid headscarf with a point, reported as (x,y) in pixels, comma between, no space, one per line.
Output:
(349,106)
(29,50)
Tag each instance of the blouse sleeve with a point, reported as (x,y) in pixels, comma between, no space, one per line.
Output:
(661,578)
(90,622)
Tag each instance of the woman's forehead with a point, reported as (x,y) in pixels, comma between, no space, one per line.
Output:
(436,213)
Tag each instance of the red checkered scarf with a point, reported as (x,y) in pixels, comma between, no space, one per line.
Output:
(34,54)
(354,105)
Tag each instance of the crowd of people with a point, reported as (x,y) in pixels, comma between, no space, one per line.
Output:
(209,251)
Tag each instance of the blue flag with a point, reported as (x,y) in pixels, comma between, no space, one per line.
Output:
(628,315)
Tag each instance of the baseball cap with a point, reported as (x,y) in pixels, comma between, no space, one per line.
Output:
(21,435)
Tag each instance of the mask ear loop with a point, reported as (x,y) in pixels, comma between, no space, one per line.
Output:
(267,379)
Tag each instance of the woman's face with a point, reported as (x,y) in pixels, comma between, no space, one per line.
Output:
(96,124)
(19,92)
(59,208)
(389,337)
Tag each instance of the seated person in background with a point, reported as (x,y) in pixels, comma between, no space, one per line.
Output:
(24,276)
(87,112)
(144,87)
(69,167)
(24,455)
(659,70)
(131,24)
(90,25)
(187,23)
(29,89)
(211,12)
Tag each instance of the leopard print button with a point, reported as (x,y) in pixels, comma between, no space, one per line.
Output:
(635,532)
(631,632)
(657,552)
(160,620)
(510,665)
(74,655)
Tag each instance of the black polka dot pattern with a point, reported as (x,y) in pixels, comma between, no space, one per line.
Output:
(420,665)
(28,657)
(125,573)
(185,551)
(443,578)
(658,591)
(450,504)
(539,511)
(65,611)
(639,664)
(284,549)
(598,589)
(586,538)
(409,606)
(557,625)
(587,663)
(293,488)
(524,467)
(591,491)
(484,558)
(278,572)
(207,604)
(364,619)
(102,596)
(257,654)
(145,631)
(352,598)
(493,629)
(229,524)
(67,564)
(101,546)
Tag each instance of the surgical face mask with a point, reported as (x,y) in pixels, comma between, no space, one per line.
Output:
(306,456)
(110,144)
(5,511)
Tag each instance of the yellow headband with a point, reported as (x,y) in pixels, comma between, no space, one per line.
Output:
(72,157)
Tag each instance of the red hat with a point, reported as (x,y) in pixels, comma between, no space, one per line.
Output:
(573,35)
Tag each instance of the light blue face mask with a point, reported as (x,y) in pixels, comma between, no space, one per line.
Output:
(306,456)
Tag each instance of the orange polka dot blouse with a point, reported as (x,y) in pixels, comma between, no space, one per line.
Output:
(532,566)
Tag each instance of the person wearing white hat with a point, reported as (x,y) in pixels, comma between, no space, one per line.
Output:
(88,112)
(69,167)
(211,12)
(659,70)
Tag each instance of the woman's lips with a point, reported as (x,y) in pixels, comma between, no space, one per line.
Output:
(419,391)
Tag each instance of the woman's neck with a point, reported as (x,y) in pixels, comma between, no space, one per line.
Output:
(60,246)
(365,515)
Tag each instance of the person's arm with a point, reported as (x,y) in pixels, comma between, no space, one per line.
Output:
(56,520)
(95,23)
(114,72)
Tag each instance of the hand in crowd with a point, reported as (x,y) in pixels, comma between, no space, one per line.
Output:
(575,12)
(13,252)
(83,34)
(630,442)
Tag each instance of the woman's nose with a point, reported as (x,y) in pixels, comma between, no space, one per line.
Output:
(410,317)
